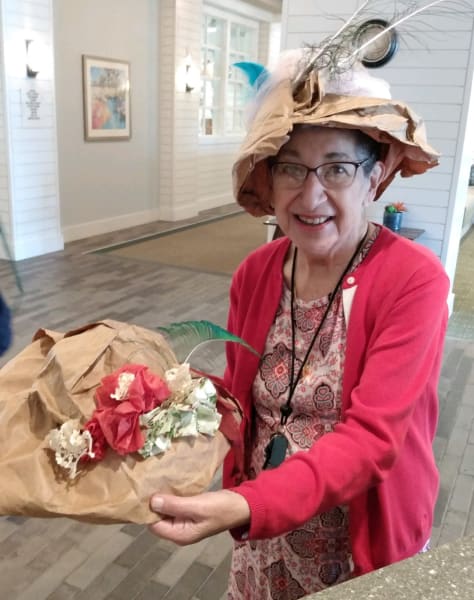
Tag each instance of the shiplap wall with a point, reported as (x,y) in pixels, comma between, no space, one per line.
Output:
(30,199)
(5,221)
(179,35)
(432,73)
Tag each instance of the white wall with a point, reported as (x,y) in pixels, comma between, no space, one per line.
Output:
(106,185)
(5,216)
(432,73)
(29,201)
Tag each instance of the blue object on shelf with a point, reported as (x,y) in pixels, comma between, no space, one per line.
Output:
(393,220)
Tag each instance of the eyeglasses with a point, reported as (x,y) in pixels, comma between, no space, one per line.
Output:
(332,175)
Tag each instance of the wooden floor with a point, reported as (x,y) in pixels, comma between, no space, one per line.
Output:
(60,559)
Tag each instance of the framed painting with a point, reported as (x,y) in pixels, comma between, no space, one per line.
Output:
(106,92)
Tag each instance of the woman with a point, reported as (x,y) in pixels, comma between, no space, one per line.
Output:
(340,411)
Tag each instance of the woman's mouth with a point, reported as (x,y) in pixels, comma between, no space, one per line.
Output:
(313,220)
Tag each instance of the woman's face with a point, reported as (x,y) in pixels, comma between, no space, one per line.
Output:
(321,222)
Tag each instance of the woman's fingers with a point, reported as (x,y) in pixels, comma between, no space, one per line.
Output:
(178,522)
(189,520)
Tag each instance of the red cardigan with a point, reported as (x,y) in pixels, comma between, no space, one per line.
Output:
(379,459)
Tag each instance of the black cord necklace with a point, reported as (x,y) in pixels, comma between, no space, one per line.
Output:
(275,451)
(286,408)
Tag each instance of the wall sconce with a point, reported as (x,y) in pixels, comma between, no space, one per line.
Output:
(189,75)
(34,58)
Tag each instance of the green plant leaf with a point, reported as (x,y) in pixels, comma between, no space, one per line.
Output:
(186,337)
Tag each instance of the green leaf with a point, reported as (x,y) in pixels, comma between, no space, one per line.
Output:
(187,336)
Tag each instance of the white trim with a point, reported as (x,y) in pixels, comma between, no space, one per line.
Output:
(179,213)
(84,230)
(347,299)
(450,303)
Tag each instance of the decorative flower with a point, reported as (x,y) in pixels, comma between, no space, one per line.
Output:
(99,443)
(179,380)
(121,427)
(69,445)
(134,384)
(138,411)
(395,207)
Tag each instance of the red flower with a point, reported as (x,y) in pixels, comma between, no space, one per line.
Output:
(144,393)
(99,443)
(121,427)
(121,398)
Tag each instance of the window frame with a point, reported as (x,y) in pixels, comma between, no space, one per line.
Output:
(220,108)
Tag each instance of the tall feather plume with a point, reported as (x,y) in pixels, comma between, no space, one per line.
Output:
(187,337)
(337,54)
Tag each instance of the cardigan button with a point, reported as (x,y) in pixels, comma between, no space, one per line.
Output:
(351,280)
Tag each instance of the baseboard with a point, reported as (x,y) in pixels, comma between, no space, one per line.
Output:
(216,201)
(37,245)
(85,230)
(178,213)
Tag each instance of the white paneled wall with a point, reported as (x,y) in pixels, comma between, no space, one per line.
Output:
(4,175)
(29,202)
(214,178)
(180,34)
(432,72)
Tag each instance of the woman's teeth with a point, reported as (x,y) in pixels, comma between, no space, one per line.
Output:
(315,221)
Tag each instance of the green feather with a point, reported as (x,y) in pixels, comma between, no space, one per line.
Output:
(187,336)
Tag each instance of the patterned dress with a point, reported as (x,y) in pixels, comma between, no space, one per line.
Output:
(318,554)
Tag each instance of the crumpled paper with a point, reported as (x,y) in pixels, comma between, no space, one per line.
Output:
(388,121)
(53,380)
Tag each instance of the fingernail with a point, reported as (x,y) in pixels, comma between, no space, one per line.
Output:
(156,503)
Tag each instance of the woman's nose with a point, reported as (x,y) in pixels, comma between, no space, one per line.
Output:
(312,190)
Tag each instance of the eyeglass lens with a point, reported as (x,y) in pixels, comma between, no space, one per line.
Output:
(331,175)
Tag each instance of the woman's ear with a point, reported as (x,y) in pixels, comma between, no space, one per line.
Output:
(376,176)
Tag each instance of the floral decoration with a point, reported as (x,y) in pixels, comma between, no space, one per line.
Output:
(395,207)
(138,411)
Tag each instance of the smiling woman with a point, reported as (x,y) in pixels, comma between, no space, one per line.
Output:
(340,411)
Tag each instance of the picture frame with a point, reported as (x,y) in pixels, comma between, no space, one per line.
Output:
(106,99)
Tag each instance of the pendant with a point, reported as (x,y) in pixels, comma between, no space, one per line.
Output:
(275,451)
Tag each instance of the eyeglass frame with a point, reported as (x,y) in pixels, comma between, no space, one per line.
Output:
(314,170)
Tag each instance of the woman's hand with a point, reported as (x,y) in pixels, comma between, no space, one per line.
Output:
(191,519)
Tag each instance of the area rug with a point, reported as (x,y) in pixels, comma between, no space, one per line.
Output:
(213,247)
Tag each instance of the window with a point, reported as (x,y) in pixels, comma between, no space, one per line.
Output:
(224,88)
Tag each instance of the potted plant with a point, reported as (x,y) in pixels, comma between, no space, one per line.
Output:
(392,215)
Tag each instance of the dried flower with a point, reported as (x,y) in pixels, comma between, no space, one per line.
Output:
(70,444)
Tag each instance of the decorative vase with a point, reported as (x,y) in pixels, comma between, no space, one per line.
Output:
(393,220)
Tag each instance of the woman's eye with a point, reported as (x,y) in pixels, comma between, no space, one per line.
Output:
(336,169)
(295,171)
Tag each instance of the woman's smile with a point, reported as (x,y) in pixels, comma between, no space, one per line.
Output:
(307,220)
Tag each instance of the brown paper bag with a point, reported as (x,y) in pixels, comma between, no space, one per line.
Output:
(53,380)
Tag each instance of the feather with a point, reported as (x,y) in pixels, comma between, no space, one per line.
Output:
(255,72)
(337,54)
(187,336)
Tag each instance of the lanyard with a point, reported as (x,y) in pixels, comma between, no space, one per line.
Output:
(286,409)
